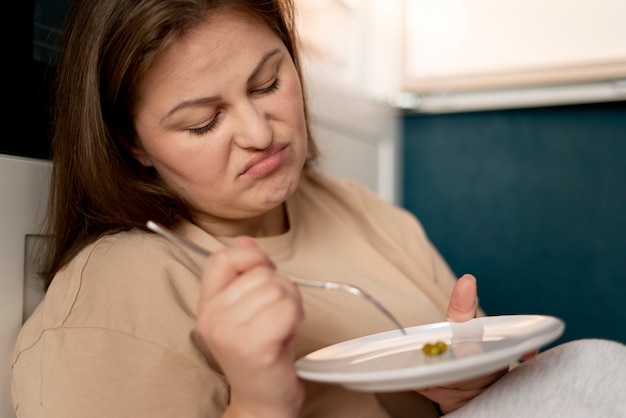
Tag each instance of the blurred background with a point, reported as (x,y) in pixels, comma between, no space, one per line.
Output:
(500,125)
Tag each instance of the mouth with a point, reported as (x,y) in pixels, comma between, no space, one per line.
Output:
(265,162)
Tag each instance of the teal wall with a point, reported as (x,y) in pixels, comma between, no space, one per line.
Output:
(533,203)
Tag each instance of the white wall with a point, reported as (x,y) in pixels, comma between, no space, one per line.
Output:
(358,137)
(357,132)
(23,195)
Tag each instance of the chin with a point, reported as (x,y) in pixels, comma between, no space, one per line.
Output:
(277,192)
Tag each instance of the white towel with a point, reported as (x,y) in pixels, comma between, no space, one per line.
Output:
(578,379)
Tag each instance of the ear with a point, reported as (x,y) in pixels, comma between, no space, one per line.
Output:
(141,155)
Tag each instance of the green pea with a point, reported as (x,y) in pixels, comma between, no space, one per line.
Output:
(434,349)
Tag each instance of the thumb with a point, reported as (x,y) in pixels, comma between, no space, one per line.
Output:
(463,300)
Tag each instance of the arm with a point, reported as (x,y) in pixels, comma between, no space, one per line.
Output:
(247,316)
(90,371)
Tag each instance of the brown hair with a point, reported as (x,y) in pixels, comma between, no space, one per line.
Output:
(97,186)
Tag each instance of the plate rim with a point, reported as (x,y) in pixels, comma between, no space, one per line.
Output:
(552,330)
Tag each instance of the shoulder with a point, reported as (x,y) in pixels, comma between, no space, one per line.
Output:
(133,254)
(127,246)
(128,295)
(130,283)
(126,264)
(389,227)
(134,266)
(339,190)
(353,200)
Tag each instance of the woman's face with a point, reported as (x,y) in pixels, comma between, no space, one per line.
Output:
(221,118)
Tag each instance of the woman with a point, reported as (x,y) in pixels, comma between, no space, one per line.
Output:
(192,113)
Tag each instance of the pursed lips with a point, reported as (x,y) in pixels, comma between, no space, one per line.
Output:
(261,156)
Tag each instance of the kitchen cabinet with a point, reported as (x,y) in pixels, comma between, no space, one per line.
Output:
(461,45)
(455,55)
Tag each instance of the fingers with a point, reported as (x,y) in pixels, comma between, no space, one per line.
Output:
(452,396)
(529,356)
(242,296)
(463,306)
(224,266)
(463,300)
(265,317)
(248,315)
(449,399)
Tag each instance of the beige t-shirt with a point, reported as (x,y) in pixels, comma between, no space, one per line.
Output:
(115,334)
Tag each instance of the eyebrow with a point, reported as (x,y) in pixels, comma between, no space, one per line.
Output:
(207,100)
(262,62)
(189,103)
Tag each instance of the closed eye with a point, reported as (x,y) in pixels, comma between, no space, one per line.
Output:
(208,127)
(215,121)
(269,89)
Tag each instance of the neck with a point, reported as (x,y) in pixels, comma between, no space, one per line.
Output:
(271,223)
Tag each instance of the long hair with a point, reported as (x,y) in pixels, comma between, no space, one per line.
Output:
(97,187)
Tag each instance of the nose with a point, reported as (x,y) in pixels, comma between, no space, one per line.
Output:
(252,126)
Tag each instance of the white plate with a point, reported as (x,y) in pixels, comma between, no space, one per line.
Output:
(391,361)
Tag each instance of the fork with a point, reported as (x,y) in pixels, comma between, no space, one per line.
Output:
(343,287)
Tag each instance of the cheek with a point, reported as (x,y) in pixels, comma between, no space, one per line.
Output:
(188,180)
(184,164)
(295,106)
(189,165)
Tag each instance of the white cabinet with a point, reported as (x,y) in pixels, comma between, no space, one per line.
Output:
(472,44)
(485,54)
(354,45)
(453,55)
